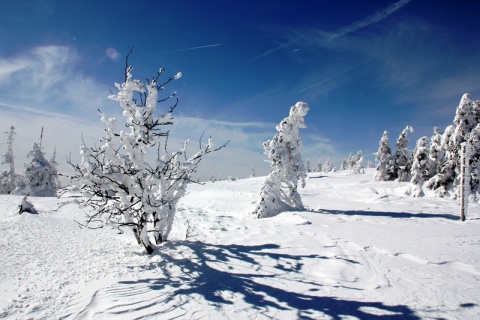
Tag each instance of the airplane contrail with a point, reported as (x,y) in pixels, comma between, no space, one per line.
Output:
(193,48)
(345,30)
(378,16)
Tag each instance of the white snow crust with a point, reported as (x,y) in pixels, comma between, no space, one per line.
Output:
(360,250)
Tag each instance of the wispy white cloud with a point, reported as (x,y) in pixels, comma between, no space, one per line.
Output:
(46,89)
(49,79)
(36,110)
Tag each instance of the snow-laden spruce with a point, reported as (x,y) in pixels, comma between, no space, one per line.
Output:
(473,157)
(447,179)
(401,168)
(252,172)
(327,167)
(384,159)
(40,176)
(8,178)
(117,179)
(437,153)
(307,165)
(279,191)
(443,180)
(420,167)
(319,165)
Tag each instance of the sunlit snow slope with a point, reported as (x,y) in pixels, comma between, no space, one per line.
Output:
(363,250)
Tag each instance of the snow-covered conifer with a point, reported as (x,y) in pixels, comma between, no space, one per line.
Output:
(307,165)
(384,159)
(117,178)
(350,162)
(40,176)
(8,178)
(279,191)
(327,167)
(464,119)
(437,153)
(54,164)
(443,180)
(400,170)
(421,167)
(319,165)
(359,166)
(252,172)
(476,111)
(473,149)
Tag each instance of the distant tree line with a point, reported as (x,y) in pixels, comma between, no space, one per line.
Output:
(434,164)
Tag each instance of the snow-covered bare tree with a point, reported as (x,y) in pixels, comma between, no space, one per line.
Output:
(279,191)
(117,178)
(252,172)
(8,178)
(384,159)
(421,167)
(400,170)
(40,176)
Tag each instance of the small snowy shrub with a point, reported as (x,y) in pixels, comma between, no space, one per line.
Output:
(279,191)
(116,178)
(26,206)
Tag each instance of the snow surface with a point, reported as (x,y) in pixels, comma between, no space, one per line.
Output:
(363,250)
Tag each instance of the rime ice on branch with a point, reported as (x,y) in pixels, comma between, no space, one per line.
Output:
(279,191)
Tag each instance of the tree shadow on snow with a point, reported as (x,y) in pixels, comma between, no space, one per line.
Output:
(399,215)
(223,274)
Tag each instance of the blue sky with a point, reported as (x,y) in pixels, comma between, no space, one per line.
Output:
(362,66)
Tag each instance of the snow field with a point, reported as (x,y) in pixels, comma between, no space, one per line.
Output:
(362,250)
